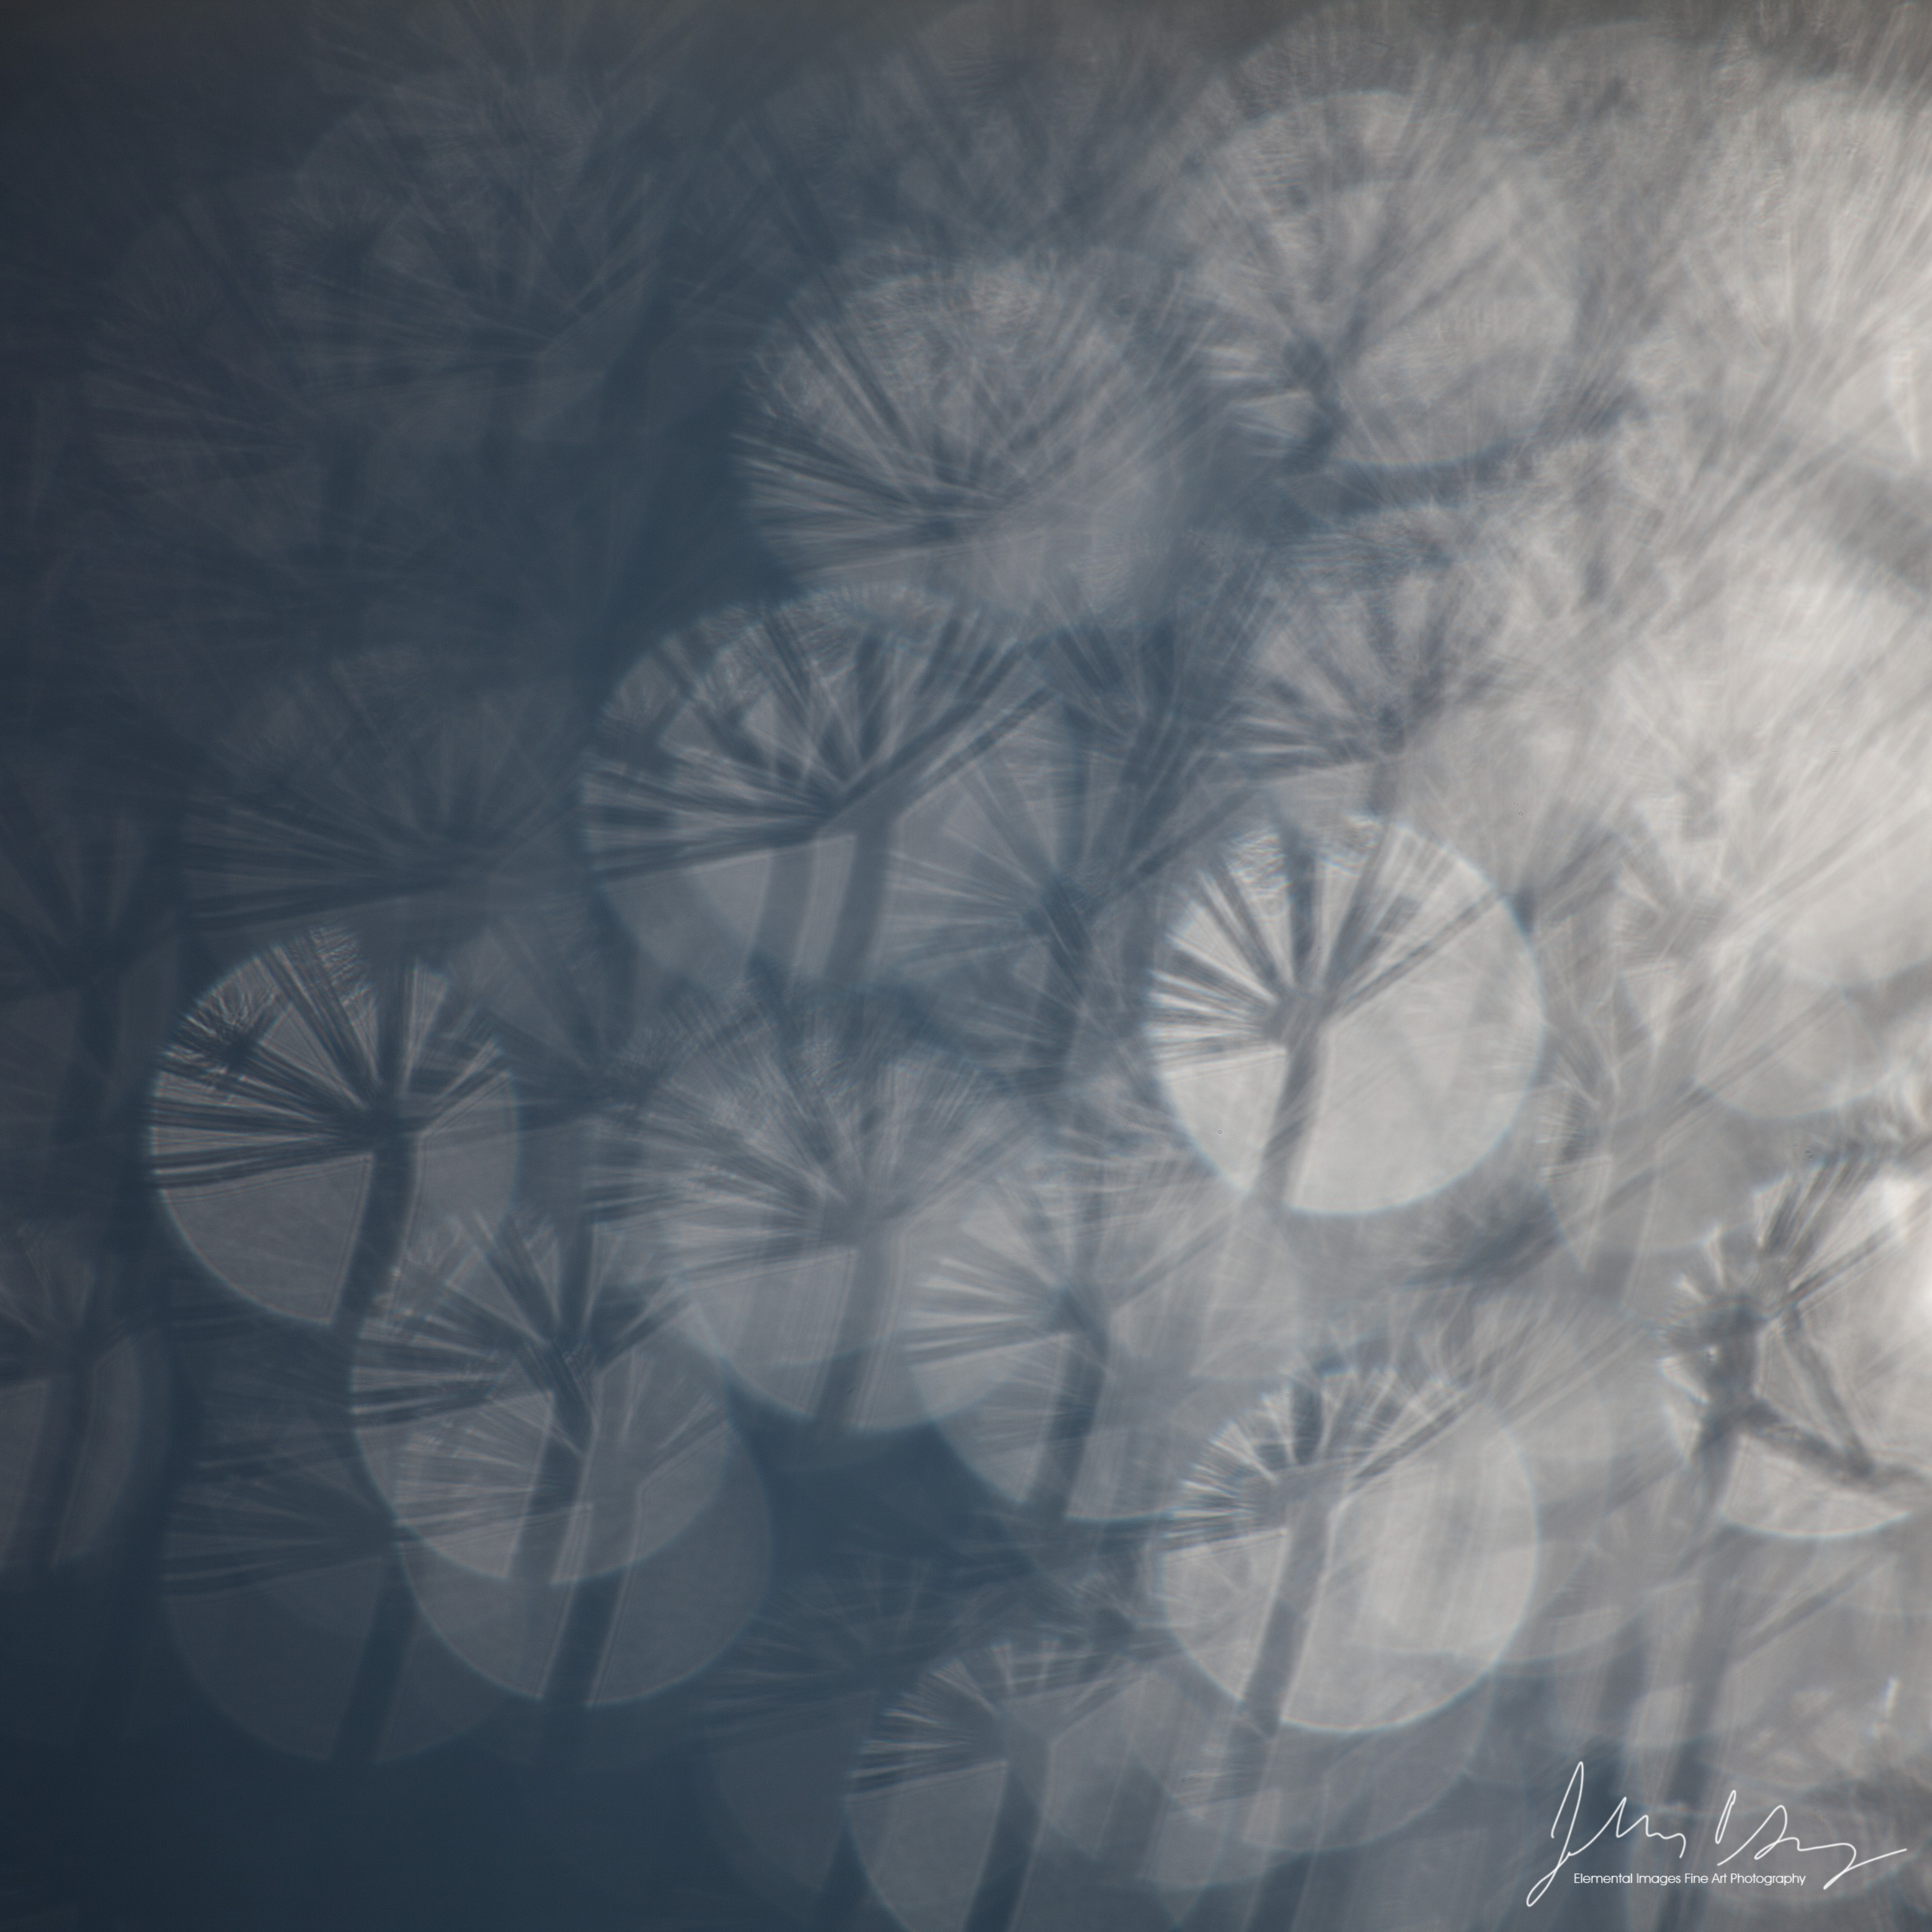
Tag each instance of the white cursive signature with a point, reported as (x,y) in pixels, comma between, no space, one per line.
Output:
(1567,1813)
(1573,1803)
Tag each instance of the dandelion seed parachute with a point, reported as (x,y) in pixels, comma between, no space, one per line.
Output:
(778,792)
(1356,647)
(938,1803)
(588,1035)
(1801,327)
(331,377)
(381,788)
(1037,894)
(1095,1315)
(616,1639)
(1398,287)
(525,1407)
(506,269)
(285,1598)
(1045,1694)
(1355,1552)
(1047,124)
(1795,1346)
(788,1711)
(309,1113)
(1345,1030)
(992,433)
(994,131)
(795,1171)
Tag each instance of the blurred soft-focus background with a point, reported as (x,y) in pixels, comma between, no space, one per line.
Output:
(964,969)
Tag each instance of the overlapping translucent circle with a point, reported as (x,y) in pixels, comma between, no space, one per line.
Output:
(796,1172)
(981,431)
(787,1712)
(615,1639)
(286,1597)
(1345,1029)
(1792,1353)
(310,1112)
(1094,1317)
(384,786)
(1354,1553)
(1398,285)
(527,1406)
(779,788)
